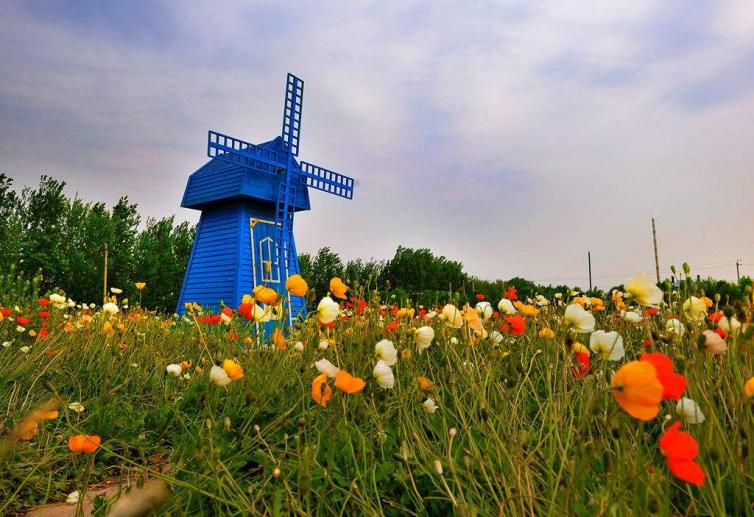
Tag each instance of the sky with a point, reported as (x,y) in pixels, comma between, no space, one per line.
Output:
(512,136)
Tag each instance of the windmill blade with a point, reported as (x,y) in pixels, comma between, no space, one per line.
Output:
(327,181)
(294,104)
(243,153)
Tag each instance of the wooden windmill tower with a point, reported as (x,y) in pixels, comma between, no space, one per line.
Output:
(248,195)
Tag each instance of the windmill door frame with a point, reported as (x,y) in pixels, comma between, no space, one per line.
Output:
(264,251)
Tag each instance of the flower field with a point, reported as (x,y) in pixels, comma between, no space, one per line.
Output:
(639,403)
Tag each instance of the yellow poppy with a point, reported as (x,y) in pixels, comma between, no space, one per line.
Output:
(296,285)
(233,369)
(338,288)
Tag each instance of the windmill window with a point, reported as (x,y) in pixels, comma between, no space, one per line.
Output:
(268,260)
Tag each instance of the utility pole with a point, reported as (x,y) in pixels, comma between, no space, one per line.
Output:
(738,270)
(589,260)
(654,240)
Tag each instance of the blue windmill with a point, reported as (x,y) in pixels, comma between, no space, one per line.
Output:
(248,195)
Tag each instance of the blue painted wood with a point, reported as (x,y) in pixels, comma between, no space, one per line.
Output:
(248,194)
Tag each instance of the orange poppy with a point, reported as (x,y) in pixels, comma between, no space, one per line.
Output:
(338,288)
(233,369)
(296,285)
(321,391)
(84,443)
(278,338)
(346,382)
(425,383)
(637,389)
(266,295)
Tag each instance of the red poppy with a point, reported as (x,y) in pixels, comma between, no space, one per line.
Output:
(360,306)
(348,305)
(44,302)
(42,334)
(673,384)
(716,316)
(22,320)
(5,312)
(233,335)
(391,327)
(246,310)
(651,311)
(511,294)
(583,359)
(721,332)
(516,324)
(479,296)
(422,313)
(228,311)
(495,315)
(646,343)
(44,314)
(210,319)
(680,449)
(330,325)
(394,309)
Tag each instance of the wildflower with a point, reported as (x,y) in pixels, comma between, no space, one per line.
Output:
(609,345)
(424,383)
(631,316)
(338,288)
(715,317)
(383,374)
(583,360)
(323,344)
(347,383)
(321,391)
(326,367)
(695,309)
(327,310)
(506,306)
(174,370)
(78,407)
(496,337)
(296,285)
(579,348)
(385,350)
(713,342)
(6,344)
(749,388)
(578,319)
(541,301)
(233,369)
(675,327)
(84,443)
(57,300)
(423,337)
(219,376)
(617,298)
(644,291)
(688,411)
(637,389)
(115,290)
(515,324)
(526,309)
(266,295)
(73,497)
(110,308)
(546,333)
(23,320)
(452,316)
(404,313)
(597,304)
(140,285)
(278,338)
(680,450)
(673,384)
(429,405)
(484,309)
(511,293)
(730,325)
(480,296)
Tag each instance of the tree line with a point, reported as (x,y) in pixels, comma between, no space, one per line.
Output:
(52,241)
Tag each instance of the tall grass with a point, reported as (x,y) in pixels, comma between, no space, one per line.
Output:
(516,433)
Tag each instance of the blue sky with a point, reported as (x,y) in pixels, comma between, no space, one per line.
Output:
(513,136)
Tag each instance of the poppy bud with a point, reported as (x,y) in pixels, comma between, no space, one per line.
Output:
(208,423)
(300,422)
(728,311)
(276,473)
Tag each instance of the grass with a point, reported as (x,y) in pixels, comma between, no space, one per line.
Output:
(516,432)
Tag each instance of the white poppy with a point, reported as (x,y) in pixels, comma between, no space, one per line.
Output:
(644,291)
(541,300)
(496,337)
(78,407)
(558,295)
(675,327)
(323,345)
(631,316)
(73,497)
(115,290)
(261,314)
(219,376)
(430,315)
(732,326)
(386,351)
(325,366)
(506,307)
(19,328)
(423,337)
(110,308)
(579,319)
(454,340)
(484,309)
(327,310)
(174,370)
(6,344)
(223,317)
(299,346)
(688,411)
(609,345)
(694,309)
(452,316)
(383,374)
(25,349)
(429,405)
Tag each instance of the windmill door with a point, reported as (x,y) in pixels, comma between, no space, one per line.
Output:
(264,255)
